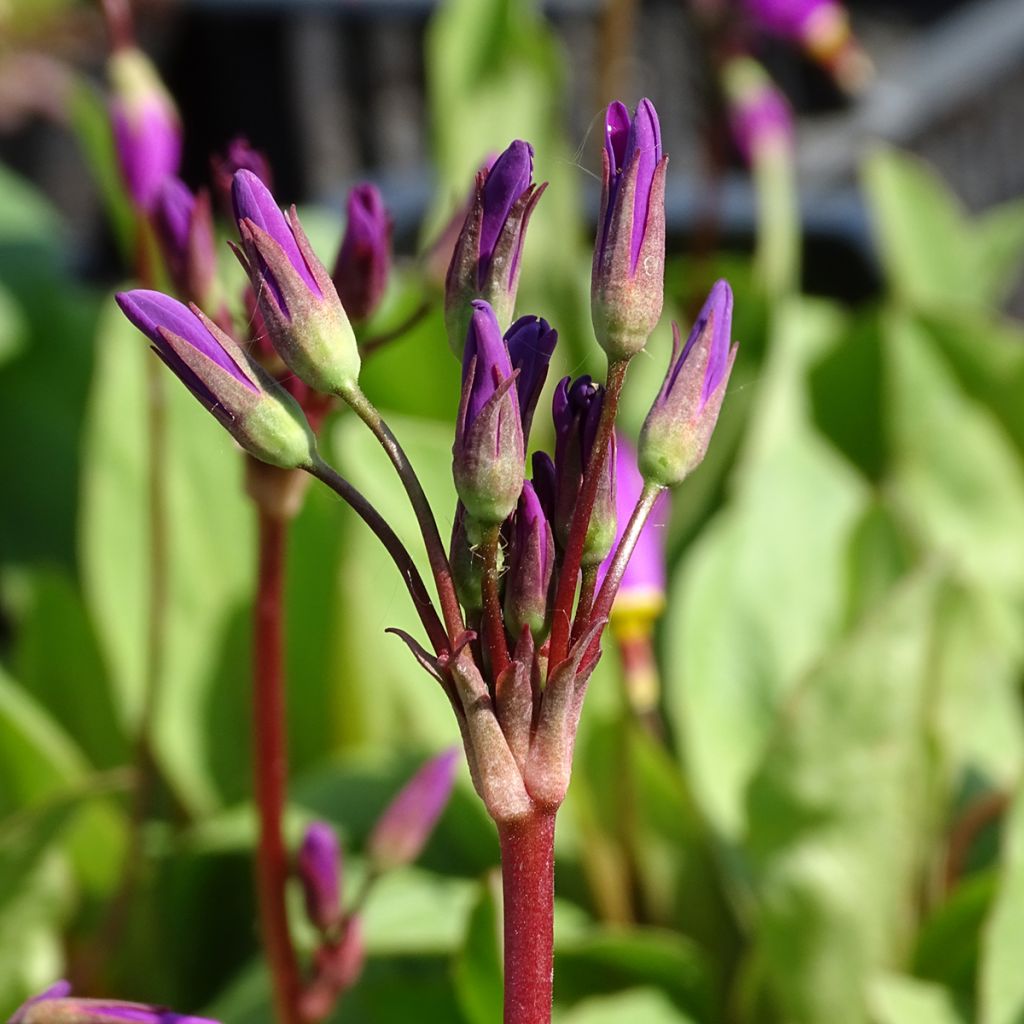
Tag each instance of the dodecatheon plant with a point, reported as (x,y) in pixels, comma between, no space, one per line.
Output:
(405,826)
(531,341)
(364,259)
(486,260)
(627,278)
(296,297)
(319,868)
(238,155)
(760,116)
(531,564)
(576,409)
(57,1006)
(488,455)
(467,565)
(676,433)
(245,400)
(146,125)
(184,228)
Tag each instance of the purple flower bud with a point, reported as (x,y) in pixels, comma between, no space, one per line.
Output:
(678,429)
(318,866)
(759,115)
(239,155)
(486,260)
(642,589)
(56,1006)
(147,129)
(297,299)
(489,450)
(530,566)
(790,19)
(544,483)
(531,341)
(627,279)
(364,259)
(264,420)
(576,409)
(403,829)
(184,228)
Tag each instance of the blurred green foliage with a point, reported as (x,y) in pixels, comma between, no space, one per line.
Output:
(841,656)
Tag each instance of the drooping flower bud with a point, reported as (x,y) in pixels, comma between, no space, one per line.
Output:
(576,409)
(405,826)
(57,1006)
(238,155)
(759,115)
(467,565)
(488,453)
(485,264)
(184,228)
(147,128)
(531,341)
(627,279)
(364,259)
(260,416)
(297,298)
(319,867)
(678,429)
(530,567)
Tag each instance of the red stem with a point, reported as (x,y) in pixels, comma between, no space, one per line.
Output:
(528,884)
(270,766)
(569,572)
(494,622)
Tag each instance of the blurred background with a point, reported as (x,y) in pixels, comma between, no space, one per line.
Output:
(815,821)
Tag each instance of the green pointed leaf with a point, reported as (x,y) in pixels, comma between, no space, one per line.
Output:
(899,1000)
(479,979)
(642,1004)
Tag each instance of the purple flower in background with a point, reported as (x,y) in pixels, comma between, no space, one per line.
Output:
(627,287)
(184,227)
(249,404)
(296,297)
(485,263)
(678,429)
(57,1006)
(788,19)
(319,867)
(146,126)
(531,564)
(238,155)
(531,341)
(364,259)
(489,450)
(403,829)
(760,116)
(642,589)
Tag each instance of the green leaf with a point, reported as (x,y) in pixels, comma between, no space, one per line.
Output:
(724,694)
(479,979)
(209,552)
(840,812)
(25,215)
(1001,986)
(12,326)
(646,1005)
(900,1000)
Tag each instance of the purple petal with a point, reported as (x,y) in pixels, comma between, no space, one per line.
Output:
(319,869)
(507,180)
(616,137)
(148,144)
(544,482)
(645,142)
(719,304)
(531,343)
(485,342)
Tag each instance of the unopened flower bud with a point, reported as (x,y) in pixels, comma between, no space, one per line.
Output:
(488,453)
(238,155)
(147,128)
(405,826)
(318,866)
(485,263)
(184,229)
(245,400)
(576,409)
(531,341)
(297,299)
(627,279)
(759,115)
(57,1006)
(364,259)
(530,566)
(678,429)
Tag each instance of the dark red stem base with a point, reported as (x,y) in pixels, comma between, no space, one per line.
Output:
(528,885)
(270,767)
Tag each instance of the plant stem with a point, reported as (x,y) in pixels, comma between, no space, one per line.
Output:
(588,584)
(270,767)
(494,623)
(438,557)
(567,575)
(528,885)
